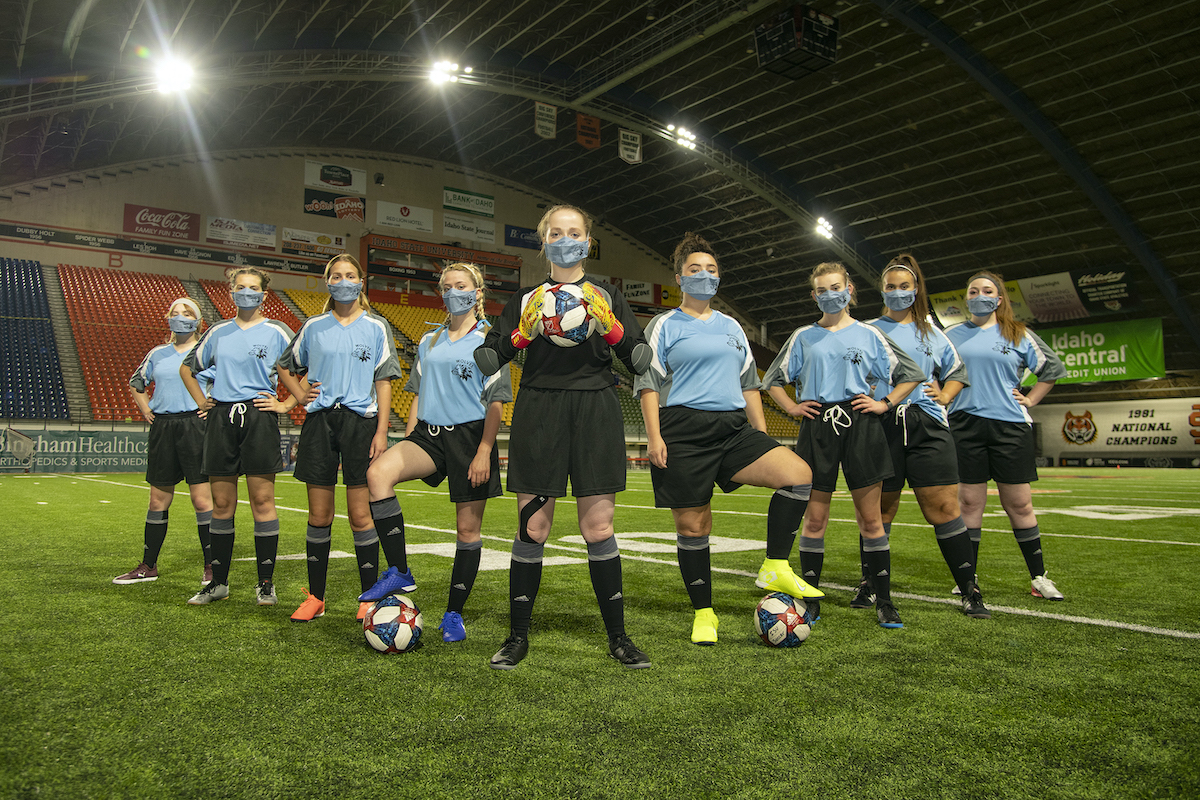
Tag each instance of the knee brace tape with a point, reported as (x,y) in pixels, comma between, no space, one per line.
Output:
(531,508)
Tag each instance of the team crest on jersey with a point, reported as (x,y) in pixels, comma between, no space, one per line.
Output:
(854,355)
(925,348)
(1079,429)
(362,352)
(1002,348)
(735,343)
(259,351)
(463,370)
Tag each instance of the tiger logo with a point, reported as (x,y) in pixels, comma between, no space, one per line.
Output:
(735,343)
(1079,429)
(362,352)
(462,370)
(854,355)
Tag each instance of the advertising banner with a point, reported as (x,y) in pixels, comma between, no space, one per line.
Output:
(630,146)
(483,205)
(311,243)
(474,228)
(1150,433)
(641,292)
(401,215)
(521,237)
(587,131)
(439,251)
(545,119)
(326,204)
(78,451)
(162,222)
(239,233)
(1108,351)
(1052,298)
(1106,291)
(335,177)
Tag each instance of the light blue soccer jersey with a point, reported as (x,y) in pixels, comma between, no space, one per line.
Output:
(996,366)
(345,359)
(701,364)
(160,367)
(934,354)
(449,385)
(244,359)
(835,366)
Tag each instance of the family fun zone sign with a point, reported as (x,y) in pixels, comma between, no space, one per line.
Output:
(1112,351)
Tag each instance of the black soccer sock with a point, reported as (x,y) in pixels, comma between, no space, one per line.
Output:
(366,551)
(221,531)
(785,514)
(955,543)
(879,561)
(266,547)
(463,573)
(316,545)
(389,523)
(524,578)
(156,534)
(1030,542)
(203,521)
(604,564)
(976,536)
(812,559)
(695,565)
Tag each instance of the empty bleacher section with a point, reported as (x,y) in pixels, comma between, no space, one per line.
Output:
(31,384)
(116,318)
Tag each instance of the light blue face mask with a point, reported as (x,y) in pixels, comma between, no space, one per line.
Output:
(982,305)
(459,301)
(566,252)
(833,302)
(181,324)
(344,291)
(899,299)
(248,298)
(700,285)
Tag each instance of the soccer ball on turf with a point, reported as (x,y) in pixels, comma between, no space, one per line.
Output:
(393,625)
(782,620)
(565,320)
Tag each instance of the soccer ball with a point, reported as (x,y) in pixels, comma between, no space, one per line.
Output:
(565,320)
(393,625)
(782,620)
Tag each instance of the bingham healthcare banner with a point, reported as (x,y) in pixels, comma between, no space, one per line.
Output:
(1108,351)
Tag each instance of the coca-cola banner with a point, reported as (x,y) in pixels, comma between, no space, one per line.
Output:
(239,233)
(335,177)
(327,204)
(162,222)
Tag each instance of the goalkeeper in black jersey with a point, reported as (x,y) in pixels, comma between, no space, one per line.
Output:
(566,423)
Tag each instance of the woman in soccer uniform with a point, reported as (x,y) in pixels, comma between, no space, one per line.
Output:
(241,434)
(451,433)
(918,431)
(566,422)
(176,440)
(342,362)
(833,365)
(704,423)
(992,429)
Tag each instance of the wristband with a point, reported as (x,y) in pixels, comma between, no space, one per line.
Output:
(890,405)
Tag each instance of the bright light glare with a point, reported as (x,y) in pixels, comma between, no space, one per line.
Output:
(684,137)
(825,228)
(174,76)
(444,72)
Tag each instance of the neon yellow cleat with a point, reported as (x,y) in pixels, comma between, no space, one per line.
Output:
(776,574)
(704,628)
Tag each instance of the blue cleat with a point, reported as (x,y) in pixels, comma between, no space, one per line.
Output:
(452,627)
(390,582)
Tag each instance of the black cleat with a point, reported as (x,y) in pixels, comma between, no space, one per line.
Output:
(888,616)
(622,648)
(814,610)
(865,597)
(510,654)
(972,604)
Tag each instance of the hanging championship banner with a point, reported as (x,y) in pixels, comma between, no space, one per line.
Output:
(630,146)
(545,119)
(587,131)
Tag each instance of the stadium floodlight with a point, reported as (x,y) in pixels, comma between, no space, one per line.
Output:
(445,72)
(174,75)
(825,228)
(684,137)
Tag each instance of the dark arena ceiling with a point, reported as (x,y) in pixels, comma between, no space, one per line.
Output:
(1029,138)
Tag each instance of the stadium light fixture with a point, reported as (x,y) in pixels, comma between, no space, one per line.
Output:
(683,137)
(445,72)
(825,228)
(173,75)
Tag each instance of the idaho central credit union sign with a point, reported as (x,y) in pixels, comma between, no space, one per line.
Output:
(162,222)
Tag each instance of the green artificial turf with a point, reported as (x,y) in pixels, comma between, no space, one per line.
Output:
(126,691)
